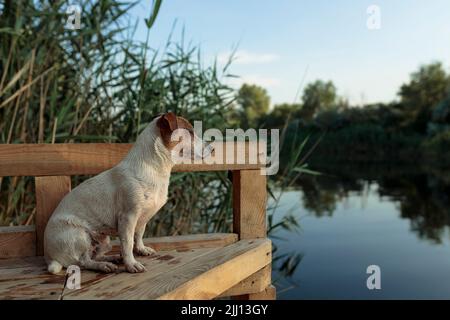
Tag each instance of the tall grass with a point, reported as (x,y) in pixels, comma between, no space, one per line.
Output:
(98,84)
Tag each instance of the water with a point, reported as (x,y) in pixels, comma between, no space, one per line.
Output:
(396,218)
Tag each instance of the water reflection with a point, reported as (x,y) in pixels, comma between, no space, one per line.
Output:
(397,217)
(422,196)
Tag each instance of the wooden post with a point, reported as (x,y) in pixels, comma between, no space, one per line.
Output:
(249,204)
(49,192)
(249,218)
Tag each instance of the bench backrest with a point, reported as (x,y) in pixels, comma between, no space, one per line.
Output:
(52,165)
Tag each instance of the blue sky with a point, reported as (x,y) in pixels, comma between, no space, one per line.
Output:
(284,44)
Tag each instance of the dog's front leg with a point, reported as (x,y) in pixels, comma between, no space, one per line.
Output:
(127,226)
(139,247)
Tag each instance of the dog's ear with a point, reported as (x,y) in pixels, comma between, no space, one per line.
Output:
(167,124)
(172,120)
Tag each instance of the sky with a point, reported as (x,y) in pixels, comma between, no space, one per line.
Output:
(283,45)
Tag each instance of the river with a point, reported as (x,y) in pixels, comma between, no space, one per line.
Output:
(351,217)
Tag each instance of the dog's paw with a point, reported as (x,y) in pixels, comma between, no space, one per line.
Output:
(107,267)
(135,267)
(144,251)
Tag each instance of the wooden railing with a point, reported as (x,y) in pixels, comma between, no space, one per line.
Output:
(92,158)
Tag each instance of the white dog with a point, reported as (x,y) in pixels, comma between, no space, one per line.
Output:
(119,201)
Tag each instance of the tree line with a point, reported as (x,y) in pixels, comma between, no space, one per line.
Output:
(417,123)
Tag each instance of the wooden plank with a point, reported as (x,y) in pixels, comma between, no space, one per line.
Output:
(93,158)
(49,192)
(269,293)
(257,282)
(33,281)
(24,269)
(59,159)
(29,267)
(29,279)
(185,242)
(123,283)
(20,242)
(108,286)
(210,275)
(17,241)
(249,204)
(197,276)
(12,263)
(193,274)
(33,288)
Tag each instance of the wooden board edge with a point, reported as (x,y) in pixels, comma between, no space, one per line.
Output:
(93,158)
(223,276)
(257,282)
(17,242)
(193,241)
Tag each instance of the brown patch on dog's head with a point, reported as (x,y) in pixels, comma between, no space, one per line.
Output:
(168,123)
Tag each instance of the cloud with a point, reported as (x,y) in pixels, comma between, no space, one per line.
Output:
(246,57)
(263,81)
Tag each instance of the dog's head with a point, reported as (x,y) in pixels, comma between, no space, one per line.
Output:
(178,136)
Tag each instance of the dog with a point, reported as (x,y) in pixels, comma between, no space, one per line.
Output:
(119,201)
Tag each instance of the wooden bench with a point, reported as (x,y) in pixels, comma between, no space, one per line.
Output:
(204,266)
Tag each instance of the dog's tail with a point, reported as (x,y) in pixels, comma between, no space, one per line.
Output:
(54,267)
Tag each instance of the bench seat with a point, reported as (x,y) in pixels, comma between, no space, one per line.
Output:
(185,267)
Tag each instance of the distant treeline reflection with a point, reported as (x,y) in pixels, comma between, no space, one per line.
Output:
(422,194)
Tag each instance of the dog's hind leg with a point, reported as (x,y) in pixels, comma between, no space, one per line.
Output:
(114,258)
(102,247)
(87,262)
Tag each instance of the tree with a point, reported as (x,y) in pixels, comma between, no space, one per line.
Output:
(318,96)
(426,89)
(440,119)
(254,102)
(280,114)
